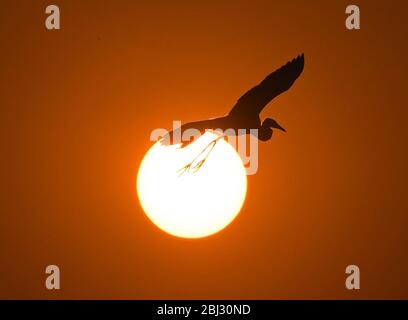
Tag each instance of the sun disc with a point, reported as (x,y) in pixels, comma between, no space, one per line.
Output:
(197,202)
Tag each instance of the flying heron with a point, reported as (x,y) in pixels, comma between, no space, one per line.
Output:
(245,113)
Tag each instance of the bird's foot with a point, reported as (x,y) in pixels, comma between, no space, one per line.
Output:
(196,164)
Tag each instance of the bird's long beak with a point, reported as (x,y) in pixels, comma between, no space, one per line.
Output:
(278,126)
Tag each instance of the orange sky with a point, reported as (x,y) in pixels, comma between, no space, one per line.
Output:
(78,106)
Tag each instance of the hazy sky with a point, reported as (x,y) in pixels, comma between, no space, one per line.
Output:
(78,106)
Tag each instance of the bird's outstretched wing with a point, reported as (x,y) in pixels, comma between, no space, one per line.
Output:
(253,101)
(173,137)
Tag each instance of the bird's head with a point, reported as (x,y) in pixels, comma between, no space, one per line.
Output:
(265,133)
(271,123)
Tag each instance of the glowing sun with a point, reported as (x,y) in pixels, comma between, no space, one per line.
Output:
(197,202)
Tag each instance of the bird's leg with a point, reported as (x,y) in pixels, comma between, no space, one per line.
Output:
(189,165)
(194,165)
(211,145)
(198,165)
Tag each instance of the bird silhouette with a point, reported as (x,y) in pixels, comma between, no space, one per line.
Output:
(244,115)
